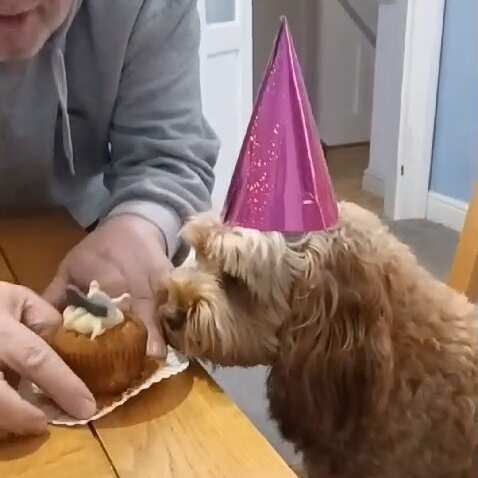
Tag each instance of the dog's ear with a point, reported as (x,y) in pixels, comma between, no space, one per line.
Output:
(336,360)
(259,260)
(198,231)
(263,262)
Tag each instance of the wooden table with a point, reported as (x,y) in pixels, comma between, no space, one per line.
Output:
(184,427)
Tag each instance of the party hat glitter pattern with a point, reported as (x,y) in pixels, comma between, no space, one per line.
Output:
(281,181)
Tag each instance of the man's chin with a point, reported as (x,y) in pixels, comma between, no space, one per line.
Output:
(17,53)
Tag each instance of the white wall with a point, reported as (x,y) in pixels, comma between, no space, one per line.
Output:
(266,16)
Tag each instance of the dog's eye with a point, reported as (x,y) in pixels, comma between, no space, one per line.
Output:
(176,320)
(229,280)
(237,285)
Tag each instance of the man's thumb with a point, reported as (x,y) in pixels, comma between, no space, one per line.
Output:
(55,293)
(144,310)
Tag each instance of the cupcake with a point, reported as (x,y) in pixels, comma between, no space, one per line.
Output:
(103,344)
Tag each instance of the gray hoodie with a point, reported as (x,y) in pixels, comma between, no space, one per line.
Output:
(107,118)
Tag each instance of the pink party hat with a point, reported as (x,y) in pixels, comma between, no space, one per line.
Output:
(281,181)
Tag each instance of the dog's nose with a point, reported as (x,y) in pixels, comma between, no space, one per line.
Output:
(175,320)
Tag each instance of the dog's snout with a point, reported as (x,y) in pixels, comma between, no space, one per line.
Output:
(175,320)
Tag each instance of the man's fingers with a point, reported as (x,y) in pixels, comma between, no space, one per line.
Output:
(145,310)
(162,290)
(17,415)
(30,356)
(12,378)
(160,280)
(38,315)
(55,293)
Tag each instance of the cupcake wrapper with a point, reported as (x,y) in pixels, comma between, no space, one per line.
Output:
(109,363)
(175,363)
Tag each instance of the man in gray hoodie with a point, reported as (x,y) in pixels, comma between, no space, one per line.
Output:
(100,113)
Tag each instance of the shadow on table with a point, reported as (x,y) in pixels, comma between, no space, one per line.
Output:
(152,404)
(18,447)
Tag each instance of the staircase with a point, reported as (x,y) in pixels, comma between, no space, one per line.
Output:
(364,14)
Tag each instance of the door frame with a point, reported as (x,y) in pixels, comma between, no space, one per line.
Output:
(407,178)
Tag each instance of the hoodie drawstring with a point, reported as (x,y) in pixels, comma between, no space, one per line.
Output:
(59,74)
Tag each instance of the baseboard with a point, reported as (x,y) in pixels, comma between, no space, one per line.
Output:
(373,184)
(446,210)
(347,145)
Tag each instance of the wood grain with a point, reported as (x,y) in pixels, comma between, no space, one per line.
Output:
(464,272)
(187,427)
(64,453)
(183,427)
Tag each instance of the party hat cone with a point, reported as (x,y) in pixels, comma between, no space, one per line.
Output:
(281,181)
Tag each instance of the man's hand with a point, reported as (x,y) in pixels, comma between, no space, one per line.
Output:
(24,319)
(125,254)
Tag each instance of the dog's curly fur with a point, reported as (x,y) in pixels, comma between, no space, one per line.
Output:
(374,363)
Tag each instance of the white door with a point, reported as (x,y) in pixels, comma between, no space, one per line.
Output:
(226,80)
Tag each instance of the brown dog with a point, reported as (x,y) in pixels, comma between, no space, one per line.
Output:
(374,363)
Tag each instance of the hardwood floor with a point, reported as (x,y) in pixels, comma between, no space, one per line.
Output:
(347,165)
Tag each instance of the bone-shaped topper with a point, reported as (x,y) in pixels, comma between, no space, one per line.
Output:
(77,298)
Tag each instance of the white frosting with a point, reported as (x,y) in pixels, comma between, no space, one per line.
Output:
(82,322)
